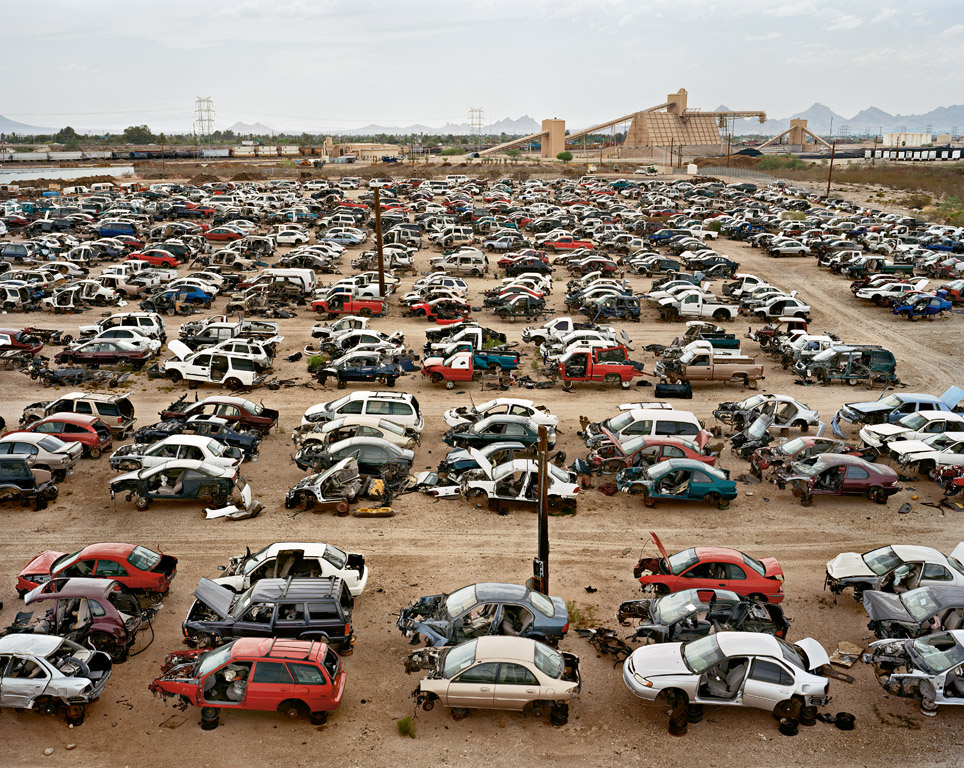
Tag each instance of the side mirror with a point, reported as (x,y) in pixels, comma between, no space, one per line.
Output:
(222,567)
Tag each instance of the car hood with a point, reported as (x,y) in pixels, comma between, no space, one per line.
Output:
(42,562)
(848,564)
(908,447)
(883,606)
(816,655)
(659,659)
(887,430)
(215,597)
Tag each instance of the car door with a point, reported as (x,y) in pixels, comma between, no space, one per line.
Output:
(516,685)
(474,687)
(856,481)
(23,680)
(768,683)
(256,622)
(708,574)
(270,683)
(290,621)
(700,485)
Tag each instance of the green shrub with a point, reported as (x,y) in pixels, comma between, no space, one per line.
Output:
(316,361)
(581,617)
(406,726)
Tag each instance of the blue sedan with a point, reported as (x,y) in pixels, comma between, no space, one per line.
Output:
(678,480)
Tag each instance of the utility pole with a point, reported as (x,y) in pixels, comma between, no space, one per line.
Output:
(540,566)
(671,152)
(873,156)
(162,157)
(378,245)
(728,137)
(833,151)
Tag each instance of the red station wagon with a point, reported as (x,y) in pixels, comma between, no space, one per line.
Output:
(91,432)
(711,568)
(290,676)
(136,567)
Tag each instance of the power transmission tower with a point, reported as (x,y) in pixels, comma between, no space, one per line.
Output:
(204,116)
(476,124)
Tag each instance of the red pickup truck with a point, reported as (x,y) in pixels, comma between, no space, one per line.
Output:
(253,673)
(566,243)
(610,365)
(345,305)
(456,368)
(156,258)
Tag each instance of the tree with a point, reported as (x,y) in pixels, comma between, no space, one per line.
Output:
(139,134)
(66,135)
(513,154)
(565,156)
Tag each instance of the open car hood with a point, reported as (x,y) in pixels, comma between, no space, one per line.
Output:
(816,655)
(848,564)
(215,597)
(883,606)
(179,349)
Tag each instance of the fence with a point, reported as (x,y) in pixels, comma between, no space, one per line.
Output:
(738,173)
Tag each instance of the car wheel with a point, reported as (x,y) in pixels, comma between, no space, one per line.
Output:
(177,377)
(756,597)
(94,452)
(429,704)
(142,503)
(233,383)
(75,714)
(449,384)
(459,713)
(648,501)
(318,718)
(559,714)
(878,495)
(209,718)
(801,425)
(291,708)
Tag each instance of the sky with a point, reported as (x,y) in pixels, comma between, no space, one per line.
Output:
(316,64)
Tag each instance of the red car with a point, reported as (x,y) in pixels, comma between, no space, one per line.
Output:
(566,243)
(136,567)
(236,411)
(710,568)
(637,450)
(223,234)
(442,311)
(91,432)
(267,674)
(19,341)
(156,258)
(798,449)
(345,305)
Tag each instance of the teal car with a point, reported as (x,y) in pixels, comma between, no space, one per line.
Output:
(678,480)
(491,359)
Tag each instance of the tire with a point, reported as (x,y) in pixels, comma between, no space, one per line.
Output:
(177,377)
(459,713)
(756,597)
(720,315)
(94,452)
(75,715)
(365,312)
(567,385)
(449,384)
(878,495)
(209,718)
(648,501)
(801,425)
(437,378)
(625,384)
(318,718)
(292,708)
(141,503)
(429,704)
(233,383)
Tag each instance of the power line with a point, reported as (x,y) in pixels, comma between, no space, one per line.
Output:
(476,124)
(204,116)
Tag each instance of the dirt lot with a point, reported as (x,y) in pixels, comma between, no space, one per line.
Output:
(431,547)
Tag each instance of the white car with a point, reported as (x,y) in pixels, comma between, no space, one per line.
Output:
(296,558)
(913,426)
(743,669)
(787,412)
(291,237)
(328,432)
(197,447)
(929,669)
(130,335)
(260,354)
(897,568)
(931,453)
(234,371)
(501,405)
(518,481)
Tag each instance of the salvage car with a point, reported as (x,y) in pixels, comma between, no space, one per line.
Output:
(693,613)
(298,559)
(710,568)
(42,452)
(96,353)
(138,568)
(181,480)
(913,426)
(93,435)
(326,433)
(838,475)
(915,613)
(247,441)
(25,485)
(501,673)
(483,609)
(518,481)
(745,669)
(613,455)
(898,568)
(679,480)
(293,608)
(51,675)
(373,455)
(496,429)
(237,411)
(796,450)
(929,669)
(206,449)
(787,412)
(267,674)
(514,406)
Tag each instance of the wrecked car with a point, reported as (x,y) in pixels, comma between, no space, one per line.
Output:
(50,674)
(289,676)
(237,411)
(293,608)
(331,489)
(494,429)
(183,479)
(838,475)
(205,449)
(373,456)
(745,669)
(898,568)
(485,609)
(533,677)
(795,450)
(329,432)
(20,483)
(692,613)
(916,613)
(678,480)
(929,669)
(247,441)
(513,406)
(517,480)
(787,412)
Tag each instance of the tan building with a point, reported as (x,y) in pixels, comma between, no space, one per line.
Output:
(907,139)
(363,151)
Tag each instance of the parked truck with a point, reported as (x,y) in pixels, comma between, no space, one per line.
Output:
(610,365)
(701,362)
(695,305)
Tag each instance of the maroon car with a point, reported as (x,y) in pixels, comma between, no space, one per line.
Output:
(105,352)
(237,411)
(99,613)
(639,450)
(19,341)
(798,449)
(838,475)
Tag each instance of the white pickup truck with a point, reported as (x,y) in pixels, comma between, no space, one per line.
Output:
(695,304)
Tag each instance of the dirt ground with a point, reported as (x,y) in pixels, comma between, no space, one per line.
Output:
(435,546)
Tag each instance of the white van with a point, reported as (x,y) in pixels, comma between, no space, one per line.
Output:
(304,277)
(454,179)
(207,365)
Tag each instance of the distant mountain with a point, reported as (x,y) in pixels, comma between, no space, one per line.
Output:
(523,126)
(867,121)
(259,129)
(12,126)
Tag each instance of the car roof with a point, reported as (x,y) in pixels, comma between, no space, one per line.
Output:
(82,587)
(225,399)
(500,647)
(490,590)
(98,397)
(914,552)
(36,645)
(107,549)
(293,589)
(181,439)
(277,648)
(73,418)
(724,554)
(748,643)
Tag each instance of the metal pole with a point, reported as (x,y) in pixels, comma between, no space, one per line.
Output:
(833,150)
(541,567)
(378,247)
(163,171)
(728,137)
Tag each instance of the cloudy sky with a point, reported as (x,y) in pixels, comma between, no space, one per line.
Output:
(313,64)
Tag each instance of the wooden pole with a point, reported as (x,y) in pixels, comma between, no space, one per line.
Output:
(378,247)
(541,565)
(833,151)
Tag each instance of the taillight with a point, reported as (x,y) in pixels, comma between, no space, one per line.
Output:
(575,490)
(565,628)
(347,629)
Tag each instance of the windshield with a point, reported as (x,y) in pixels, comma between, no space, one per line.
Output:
(217,448)
(755,564)
(913,421)
(882,560)
(211,660)
(548,661)
(632,445)
(939,652)
(542,603)
(459,658)
(242,603)
(682,560)
(143,559)
(919,603)
(620,422)
(391,426)
(791,447)
(700,655)
(335,556)
(939,441)
(677,606)
(460,601)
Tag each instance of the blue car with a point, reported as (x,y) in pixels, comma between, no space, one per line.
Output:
(678,480)
(921,305)
(173,297)
(894,407)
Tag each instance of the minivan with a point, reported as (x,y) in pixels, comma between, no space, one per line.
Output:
(398,407)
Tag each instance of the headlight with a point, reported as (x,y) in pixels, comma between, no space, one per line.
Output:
(643,681)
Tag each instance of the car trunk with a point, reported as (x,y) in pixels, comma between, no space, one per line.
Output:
(167,566)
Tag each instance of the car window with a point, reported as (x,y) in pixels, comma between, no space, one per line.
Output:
(26,669)
(542,604)
(936,572)
(271,672)
(322,611)
(733,571)
(516,674)
(480,673)
(307,674)
(110,568)
(291,612)
(353,407)
(96,609)
(81,407)
(701,477)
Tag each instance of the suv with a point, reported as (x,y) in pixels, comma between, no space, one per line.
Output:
(149,324)
(19,482)
(470,263)
(292,608)
(116,411)
(398,407)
